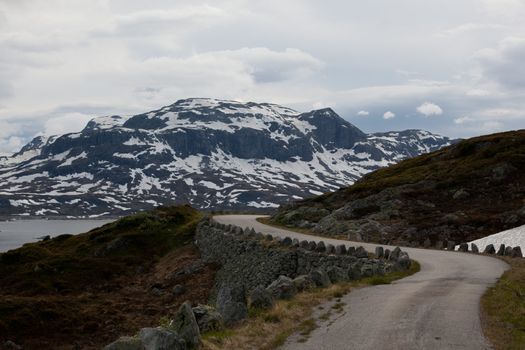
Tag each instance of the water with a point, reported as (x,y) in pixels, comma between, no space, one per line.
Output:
(14,234)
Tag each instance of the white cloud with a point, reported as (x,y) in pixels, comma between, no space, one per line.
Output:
(389,115)
(463,120)
(363,113)
(429,109)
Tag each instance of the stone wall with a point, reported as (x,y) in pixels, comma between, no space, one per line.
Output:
(251,259)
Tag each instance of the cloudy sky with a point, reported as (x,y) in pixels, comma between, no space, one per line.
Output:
(448,66)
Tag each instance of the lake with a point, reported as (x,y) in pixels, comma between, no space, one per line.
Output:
(14,234)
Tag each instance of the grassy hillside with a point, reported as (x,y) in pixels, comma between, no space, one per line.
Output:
(87,289)
(463,192)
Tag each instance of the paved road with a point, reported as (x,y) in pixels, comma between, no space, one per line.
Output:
(437,308)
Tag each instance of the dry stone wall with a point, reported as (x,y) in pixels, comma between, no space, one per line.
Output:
(251,259)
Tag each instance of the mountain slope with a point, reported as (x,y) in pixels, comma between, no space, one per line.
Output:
(210,153)
(463,192)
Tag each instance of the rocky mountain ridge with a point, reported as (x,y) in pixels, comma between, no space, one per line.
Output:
(214,154)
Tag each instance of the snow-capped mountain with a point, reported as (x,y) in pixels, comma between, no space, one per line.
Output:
(213,154)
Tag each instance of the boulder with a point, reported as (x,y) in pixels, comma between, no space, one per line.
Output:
(516,252)
(463,247)
(489,249)
(340,249)
(303,282)
(474,248)
(336,274)
(380,252)
(508,251)
(178,289)
(282,288)
(268,237)
(185,325)
(287,241)
(501,250)
(403,262)
(321,248)
(261,298)
(303,244)
(387,254)
(439,245)
(320,278)
(122,343)
(312,246)
(451,245)
(360,252)
(330,249)
(161,339)
(427,243)
(208,318)
(295,242)
(350,251)
(238,230)
(231,304)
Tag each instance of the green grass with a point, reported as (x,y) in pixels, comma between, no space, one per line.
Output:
(503,307)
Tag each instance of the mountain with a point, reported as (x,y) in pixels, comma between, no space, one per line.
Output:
(460,193)
(210,153)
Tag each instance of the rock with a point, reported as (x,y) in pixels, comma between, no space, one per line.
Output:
(330,249)
(387,254)
(295,242)
(303,283)
(336,274)
(354,272)
(238,231)
(321,248)
(403,262)
(320,278)
(451,245)
(463,247)
(516,252)
(186,326)
(427,243)
(231,304)
(508,251)
(350,251)
(287,241)
(501,250)
(268,237)
(157,291)
(474,248)
(490,249)
(161,339)
(380,252)
(282,288)
(394,255)
(123,343)
(340,249)
(303,244)
(207,318)
(360,252)
(312,246)
(178,289)
(439,245)
(261,298)
(367,270)
(461,194)
(9,345)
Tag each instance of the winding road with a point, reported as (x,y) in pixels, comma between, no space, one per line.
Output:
(437,308)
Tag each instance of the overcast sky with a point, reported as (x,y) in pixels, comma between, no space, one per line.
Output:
(455,67)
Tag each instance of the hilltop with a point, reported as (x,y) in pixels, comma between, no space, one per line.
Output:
(460,193)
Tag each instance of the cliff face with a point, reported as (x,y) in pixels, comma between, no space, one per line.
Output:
(460,193)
